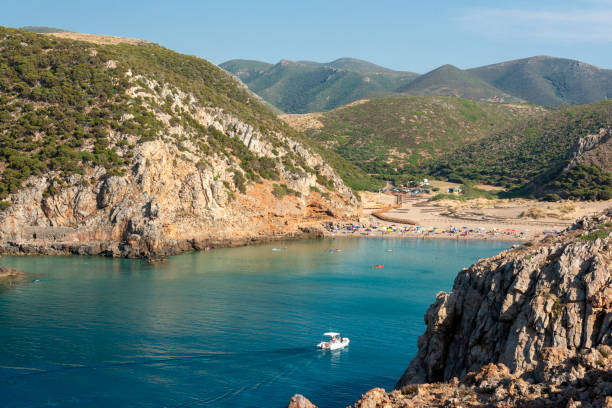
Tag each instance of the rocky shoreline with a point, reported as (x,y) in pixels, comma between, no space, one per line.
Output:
(530,327)
(170,248)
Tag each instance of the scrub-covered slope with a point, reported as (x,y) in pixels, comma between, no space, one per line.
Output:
(448,80)
(548,80)
(301,87)
(134,150)
(565,152)
(399,134)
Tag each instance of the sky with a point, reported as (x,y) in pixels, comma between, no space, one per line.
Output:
(405,35)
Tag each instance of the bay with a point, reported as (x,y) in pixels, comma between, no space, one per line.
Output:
(231,327)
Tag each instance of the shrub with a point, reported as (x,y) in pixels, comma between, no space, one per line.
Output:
(281,190)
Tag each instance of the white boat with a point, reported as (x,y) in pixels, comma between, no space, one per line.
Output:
(333,341)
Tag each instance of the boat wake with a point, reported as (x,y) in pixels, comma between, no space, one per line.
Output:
(282,353)
(234,392)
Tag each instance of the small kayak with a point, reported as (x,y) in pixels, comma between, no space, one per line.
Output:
(378,266)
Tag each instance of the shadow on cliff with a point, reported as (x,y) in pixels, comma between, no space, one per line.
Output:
(592,389)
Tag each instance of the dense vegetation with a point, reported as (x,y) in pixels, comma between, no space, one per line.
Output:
(582,182)
(299,87)
(396,136)
(518,154)
(521,148)
(64,107)
(54,98)
(528,157)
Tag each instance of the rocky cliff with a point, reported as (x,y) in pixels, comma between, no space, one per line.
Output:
(531,326)
(133,150)
(592,149)
(507,309)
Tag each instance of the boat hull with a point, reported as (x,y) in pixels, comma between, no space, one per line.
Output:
(326,345)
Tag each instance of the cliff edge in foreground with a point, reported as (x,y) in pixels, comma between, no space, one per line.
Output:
(531,326)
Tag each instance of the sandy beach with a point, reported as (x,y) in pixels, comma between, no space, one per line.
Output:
(500,219)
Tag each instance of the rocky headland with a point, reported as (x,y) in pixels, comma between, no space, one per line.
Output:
(127,149)
(167,204)
(529,327)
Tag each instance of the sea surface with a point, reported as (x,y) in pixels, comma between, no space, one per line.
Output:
(232,327)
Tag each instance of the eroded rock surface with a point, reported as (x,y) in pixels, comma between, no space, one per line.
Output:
(509,308)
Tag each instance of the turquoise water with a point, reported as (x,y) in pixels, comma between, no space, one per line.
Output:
(226,328)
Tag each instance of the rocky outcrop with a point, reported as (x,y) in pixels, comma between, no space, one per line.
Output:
(591,149)
(530,327)
(508,309)
(299,401)
(584,380)
(164,205)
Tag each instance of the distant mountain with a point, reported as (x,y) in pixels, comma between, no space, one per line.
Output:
(549,81)
(449,80)
(307,86)
(246,70)
(301,87)
(354,65)
(42,29)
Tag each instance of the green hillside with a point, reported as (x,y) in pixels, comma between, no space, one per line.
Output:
(529,156)
(549,81)
(398,135)
(67,106)
(296,87)
(246,70)
(448,80)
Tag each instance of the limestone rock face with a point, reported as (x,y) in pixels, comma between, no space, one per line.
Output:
(167,202)
(508,309)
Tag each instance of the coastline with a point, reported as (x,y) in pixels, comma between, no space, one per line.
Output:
(114,249)
(434,222)
(105,249)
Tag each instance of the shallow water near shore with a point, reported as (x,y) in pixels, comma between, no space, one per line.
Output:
(232,327)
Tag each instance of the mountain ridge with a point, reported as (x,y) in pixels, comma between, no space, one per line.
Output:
(399,135)
(540,80)
(305,86)
(546,80)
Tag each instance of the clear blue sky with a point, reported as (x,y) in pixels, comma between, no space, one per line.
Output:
(405,35)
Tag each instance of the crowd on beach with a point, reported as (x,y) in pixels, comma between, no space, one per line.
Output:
(456,232)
